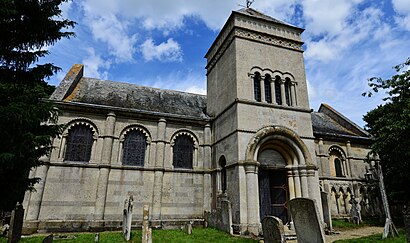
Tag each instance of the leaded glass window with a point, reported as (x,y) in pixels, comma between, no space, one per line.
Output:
(287,91)
(268,96)
(257,86)
(278,91)
(183,152)
(134,146)
(79,144)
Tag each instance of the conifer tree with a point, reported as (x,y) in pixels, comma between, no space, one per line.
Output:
(27,120)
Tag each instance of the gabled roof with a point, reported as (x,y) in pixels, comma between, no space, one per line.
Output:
(77,89)
(329,122)
(254,13)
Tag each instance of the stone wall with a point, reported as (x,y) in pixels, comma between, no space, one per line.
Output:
(91,194)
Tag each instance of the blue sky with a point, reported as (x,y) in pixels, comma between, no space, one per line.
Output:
(162,43)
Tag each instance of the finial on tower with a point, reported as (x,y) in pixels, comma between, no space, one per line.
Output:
(249,3)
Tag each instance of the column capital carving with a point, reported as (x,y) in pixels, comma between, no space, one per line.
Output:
(251,166)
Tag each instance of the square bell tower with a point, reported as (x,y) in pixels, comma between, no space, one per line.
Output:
(262,126)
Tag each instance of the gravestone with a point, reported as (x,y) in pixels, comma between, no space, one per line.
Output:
(127,218)
(273,230)
(16,224)
(146,230)
(124,218)
(48,239)
(327,217)
(306,219)
(188,228)
(226,216)
(355,215)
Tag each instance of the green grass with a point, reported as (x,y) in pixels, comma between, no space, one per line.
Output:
(341,224)
(376,238)
(198,235)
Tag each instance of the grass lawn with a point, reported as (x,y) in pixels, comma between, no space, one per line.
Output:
(198,235)
(377,238)
(341,224)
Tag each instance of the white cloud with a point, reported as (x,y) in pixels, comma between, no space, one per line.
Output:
(169,51)
(114,32)
(366,25)
(327,16)
(95,66)
(402,8)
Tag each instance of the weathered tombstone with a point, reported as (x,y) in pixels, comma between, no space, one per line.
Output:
(146,230)
(129,218)
(306,219)
(327,217)
(16,224)
(48,239)
(226,216)
(124,218)
(355,215)
(273,230)
(188,228)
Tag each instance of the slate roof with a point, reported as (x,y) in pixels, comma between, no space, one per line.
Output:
(76,89)
(323,124)
(134,97)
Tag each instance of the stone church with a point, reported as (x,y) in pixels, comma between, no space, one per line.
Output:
(252,141)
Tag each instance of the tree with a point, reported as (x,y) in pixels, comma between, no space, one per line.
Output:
(390,125)
(27,120)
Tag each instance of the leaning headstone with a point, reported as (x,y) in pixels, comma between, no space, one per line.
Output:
(146,230)
(48,239)
(16,224)
(273,230)
(306,219)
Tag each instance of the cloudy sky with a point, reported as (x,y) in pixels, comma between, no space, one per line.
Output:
(162,43)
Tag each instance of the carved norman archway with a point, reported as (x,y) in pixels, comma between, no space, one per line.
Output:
(280,153)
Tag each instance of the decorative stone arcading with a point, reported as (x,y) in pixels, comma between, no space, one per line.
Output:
(225,40)
(269,39)
(136,127)
(82,121)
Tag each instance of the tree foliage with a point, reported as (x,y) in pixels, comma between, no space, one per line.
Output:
(27,121)
(390,125)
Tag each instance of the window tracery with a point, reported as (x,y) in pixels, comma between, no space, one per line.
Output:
(79,143)
(183,152)
(134,147)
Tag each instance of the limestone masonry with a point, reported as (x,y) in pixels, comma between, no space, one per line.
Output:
(232,157)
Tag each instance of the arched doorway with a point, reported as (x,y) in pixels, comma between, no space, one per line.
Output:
(273,185)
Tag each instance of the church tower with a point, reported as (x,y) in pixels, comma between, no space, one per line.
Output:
(263,146)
